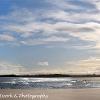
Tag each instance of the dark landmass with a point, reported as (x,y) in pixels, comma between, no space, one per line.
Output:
(51,75)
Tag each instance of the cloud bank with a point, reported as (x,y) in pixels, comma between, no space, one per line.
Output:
(62,22)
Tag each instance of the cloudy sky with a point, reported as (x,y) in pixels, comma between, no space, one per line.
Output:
(49,36)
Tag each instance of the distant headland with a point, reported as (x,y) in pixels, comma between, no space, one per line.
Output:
(52,75)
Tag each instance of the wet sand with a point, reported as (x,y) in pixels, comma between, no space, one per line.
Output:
(50,94)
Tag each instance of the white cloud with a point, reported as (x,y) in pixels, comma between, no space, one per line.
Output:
(43,63)
(84,66)
(6,37)
(9,68)
(43,41)
(26,24)
(56,39)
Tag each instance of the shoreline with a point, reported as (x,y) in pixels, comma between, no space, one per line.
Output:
(55,94)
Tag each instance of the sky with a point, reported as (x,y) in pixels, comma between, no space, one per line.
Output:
(49,36)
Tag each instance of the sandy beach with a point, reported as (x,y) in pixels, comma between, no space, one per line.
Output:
(50,94)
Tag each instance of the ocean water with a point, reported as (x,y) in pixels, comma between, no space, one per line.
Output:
(56,83)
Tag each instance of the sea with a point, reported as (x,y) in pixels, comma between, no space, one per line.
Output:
(49,83)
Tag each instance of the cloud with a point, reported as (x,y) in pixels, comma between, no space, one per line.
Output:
(44,41)
(72,5)
(61,23)
(43,63)
(84,66)
(6,37)
(9,68)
